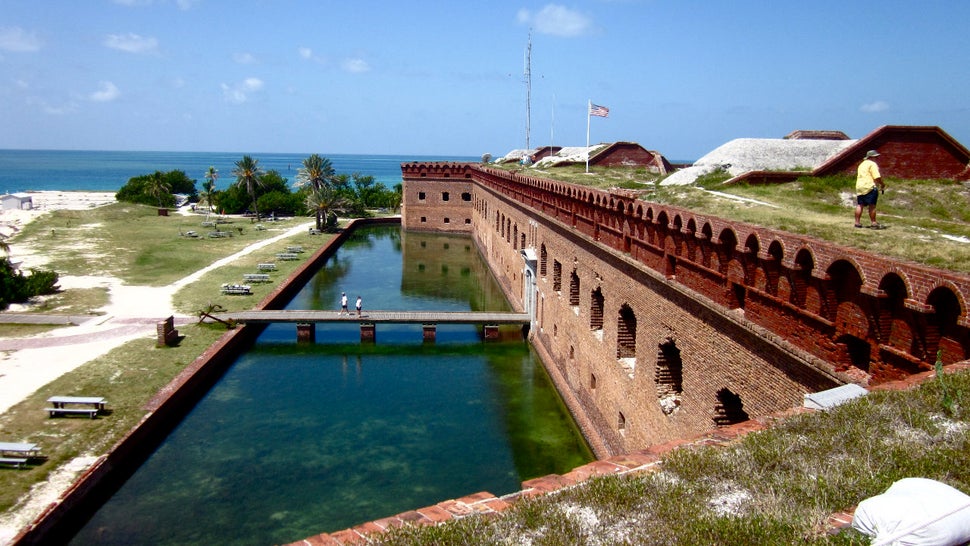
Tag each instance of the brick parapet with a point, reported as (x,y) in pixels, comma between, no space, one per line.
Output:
(827,288)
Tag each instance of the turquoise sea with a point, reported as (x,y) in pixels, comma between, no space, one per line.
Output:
(36,170)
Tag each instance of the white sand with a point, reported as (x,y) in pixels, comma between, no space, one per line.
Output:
(26,364)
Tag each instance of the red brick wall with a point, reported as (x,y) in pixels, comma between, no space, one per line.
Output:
(764,314)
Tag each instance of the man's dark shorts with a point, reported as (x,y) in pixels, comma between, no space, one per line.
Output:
(869,198)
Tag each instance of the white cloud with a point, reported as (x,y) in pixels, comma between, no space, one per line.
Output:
(355,66)
(306,52)
(131,43)
(243,58)
(18,39)
(54,110)
(877,106)
(556,20)
(106,92)
(239,93)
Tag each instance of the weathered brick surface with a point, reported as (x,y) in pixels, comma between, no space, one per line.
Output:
(758,317)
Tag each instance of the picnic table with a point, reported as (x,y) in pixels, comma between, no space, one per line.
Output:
(218,234)
(255,277)
(287,256)
(294,249)
(66,405)
(314,231)
(237,289)
(208,224)
(266,267)
(17,454)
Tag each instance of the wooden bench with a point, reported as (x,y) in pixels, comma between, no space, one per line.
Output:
(18,462)
(265,267)
(255,277)
(294,249)
(90,412)
(287,256)
(208,224)
(314,231)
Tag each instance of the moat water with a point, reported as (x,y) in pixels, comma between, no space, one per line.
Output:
(300,439)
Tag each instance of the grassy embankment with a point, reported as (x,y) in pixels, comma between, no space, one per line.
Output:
(136,245)
(775,487)
(928,221)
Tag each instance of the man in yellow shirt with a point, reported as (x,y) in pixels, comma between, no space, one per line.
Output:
(868,184)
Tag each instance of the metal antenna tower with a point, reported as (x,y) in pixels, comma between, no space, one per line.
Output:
(528,91)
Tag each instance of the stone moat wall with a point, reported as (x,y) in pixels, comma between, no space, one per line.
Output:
(659,323)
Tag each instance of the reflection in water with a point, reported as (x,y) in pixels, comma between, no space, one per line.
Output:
(298,439)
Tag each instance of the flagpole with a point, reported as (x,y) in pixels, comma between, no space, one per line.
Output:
(589,106)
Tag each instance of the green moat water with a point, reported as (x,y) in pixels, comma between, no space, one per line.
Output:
(300,439)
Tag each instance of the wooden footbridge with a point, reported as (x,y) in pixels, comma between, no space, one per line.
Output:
(306,320)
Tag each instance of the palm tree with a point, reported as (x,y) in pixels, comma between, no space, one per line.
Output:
(316,173)
(250,176)
(206,196)
(325,201)
(157,187)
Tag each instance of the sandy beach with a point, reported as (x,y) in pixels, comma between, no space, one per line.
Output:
(29,363)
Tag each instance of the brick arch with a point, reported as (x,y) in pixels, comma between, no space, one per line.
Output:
(841,301)
(944,331)
(752,244)
(727,247)
(691,226)
(957,295)
(894,325)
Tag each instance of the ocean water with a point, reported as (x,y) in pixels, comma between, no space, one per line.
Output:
(35,170)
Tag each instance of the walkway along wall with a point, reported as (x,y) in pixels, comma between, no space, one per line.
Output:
(658,322)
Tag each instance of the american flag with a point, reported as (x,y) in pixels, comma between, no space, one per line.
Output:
(600,111)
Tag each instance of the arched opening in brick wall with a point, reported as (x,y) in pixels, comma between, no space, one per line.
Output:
(894,323)
(621,423)
(626,334)
(556,276)
(669,376)
(855,352)
(596,310)
(738,294)
(801,278)
(729,409)
(543,256)
(574,288)
(772,267)
(843,285)
(725,250)
(705,246)
(952,340)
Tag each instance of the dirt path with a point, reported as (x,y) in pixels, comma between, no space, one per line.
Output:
(29,363)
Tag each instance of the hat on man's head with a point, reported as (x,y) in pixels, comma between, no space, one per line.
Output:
(872,153)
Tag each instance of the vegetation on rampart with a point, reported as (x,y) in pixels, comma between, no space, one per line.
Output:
(928,221)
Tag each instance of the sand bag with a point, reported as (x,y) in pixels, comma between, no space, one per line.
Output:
(915,512)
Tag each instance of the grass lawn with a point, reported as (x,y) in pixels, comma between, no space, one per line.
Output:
(134,243)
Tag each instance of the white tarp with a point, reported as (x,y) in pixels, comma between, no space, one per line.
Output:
(915,512)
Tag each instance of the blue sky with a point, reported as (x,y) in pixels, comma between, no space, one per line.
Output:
(446,78)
